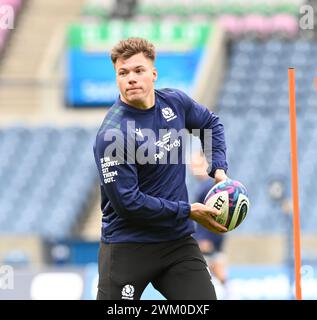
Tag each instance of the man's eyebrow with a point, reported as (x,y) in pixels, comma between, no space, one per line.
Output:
(125,69)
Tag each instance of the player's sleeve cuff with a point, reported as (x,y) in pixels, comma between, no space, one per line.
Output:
(217,165)
(184,208)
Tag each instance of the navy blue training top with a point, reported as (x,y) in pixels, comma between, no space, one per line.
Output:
(140,160)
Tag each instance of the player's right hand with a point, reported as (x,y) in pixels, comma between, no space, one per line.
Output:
(203,215)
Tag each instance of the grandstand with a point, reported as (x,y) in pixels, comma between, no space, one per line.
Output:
(56,85)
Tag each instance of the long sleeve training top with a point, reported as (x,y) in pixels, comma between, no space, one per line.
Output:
(140,156)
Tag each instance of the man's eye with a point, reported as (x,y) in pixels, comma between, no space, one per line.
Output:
(122,73)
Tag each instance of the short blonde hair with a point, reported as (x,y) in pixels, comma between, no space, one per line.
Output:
(125,49)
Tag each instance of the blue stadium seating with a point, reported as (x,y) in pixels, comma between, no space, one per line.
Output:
(253,105)
(46,178)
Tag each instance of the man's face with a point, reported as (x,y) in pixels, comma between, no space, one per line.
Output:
(135,78)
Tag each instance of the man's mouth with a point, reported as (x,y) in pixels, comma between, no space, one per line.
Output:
(133,89)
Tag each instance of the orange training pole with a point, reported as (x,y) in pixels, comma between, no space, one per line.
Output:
(294,164)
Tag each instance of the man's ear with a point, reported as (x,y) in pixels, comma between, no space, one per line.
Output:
(154,74)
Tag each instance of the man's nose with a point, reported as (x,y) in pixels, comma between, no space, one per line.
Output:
(131,78)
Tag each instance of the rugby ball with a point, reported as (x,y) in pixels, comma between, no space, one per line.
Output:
(231,198)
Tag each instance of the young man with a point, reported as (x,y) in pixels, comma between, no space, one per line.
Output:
(147,221)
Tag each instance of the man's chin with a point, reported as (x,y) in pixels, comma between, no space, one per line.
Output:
(135,98)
